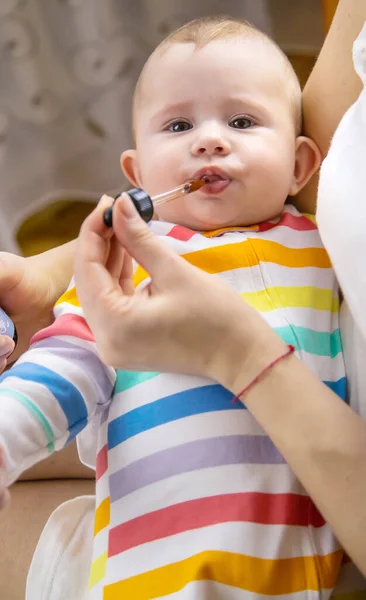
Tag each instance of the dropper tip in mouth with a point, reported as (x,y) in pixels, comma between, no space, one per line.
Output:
(196,184)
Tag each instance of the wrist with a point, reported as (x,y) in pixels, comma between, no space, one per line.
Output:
(56,265)
(245,354)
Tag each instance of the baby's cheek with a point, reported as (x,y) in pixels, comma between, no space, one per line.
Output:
(159,173)
(276,167)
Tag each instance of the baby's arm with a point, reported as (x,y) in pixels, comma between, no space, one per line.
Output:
(53,390)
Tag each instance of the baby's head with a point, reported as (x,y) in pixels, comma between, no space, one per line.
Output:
(219,98)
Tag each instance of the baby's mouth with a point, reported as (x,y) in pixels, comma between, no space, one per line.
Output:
(214,183)
(212,178)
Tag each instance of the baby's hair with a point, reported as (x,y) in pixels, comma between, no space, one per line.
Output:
(207,29)
(220,27)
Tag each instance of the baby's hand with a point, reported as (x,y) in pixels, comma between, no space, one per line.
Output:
(6,348)
(4,492)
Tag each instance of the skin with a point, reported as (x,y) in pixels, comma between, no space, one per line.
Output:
(229,106)
(331,88)
(335,473)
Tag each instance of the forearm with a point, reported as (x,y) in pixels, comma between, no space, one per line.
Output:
(58,263)
(52,392)
(26,434)
(332,86)
(41,406)
(323,441)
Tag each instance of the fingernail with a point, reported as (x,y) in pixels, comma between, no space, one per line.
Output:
(127,208)
(105,201)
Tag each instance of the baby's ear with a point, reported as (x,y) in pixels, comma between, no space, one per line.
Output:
(307,160)
(130,167)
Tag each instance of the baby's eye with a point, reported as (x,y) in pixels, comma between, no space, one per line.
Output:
(179,126)
(241,123)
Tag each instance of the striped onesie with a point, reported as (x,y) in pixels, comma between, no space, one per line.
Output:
(193,500)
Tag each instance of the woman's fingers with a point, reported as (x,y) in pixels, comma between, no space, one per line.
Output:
(164,265)
(115,259)
(94,244)
(126,275)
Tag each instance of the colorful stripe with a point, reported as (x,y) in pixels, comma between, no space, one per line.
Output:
(338,387)
(98,570)
(320,343)
(253,507)
(101,462)
(102,516)
(294,222)
(93,368)
(268,251)
(248,253)
(36,412)
(223,230)
(183,234)
(68,324)
(176,406)
(297,223)
(271,298)
(195,401)
(193,456)
(67,395)
(129,379)
(292,297)
(69,297)
(257,575)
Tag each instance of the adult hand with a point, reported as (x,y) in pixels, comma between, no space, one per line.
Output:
(184,321)
(27,294)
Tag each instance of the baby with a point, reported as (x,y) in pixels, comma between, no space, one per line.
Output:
(193,500)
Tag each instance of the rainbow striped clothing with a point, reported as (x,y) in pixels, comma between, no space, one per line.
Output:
(193,500)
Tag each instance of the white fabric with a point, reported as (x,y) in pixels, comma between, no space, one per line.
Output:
(61,563)
(354,353)
(341,213)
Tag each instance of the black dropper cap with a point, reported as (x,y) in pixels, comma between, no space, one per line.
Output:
(142,202)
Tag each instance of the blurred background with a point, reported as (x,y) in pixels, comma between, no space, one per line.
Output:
(67,73)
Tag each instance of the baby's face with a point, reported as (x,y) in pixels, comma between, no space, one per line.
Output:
(223,111)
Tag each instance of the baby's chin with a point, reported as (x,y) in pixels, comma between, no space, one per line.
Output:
(209,216)
(201,219)
(204,222)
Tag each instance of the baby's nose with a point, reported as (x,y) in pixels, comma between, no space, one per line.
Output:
(214,150)
(211,146)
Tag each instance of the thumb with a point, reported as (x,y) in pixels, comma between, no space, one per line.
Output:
(160,261)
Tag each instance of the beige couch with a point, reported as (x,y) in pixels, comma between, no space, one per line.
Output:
(33,499)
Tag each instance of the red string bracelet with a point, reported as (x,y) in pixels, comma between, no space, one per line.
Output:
(290,350)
